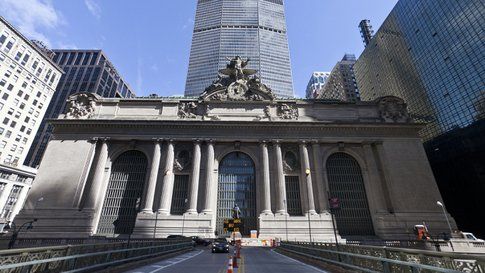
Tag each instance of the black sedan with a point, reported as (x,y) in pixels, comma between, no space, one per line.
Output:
(220,245)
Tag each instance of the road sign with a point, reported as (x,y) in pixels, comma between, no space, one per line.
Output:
(232,225)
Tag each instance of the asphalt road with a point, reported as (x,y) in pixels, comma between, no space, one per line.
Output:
(253,260)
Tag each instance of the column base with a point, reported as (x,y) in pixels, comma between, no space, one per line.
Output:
(206,212)
(281,213)
(163,212)
(311,212)
(266,212)
(147,211)
(191,212)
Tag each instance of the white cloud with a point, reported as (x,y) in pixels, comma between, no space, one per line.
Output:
(93,7)
(31,16)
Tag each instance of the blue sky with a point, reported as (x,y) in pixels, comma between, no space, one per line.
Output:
(148,41)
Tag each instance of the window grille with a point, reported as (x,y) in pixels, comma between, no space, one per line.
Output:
(180,192)
(347,184)
(293,198)
(123,195)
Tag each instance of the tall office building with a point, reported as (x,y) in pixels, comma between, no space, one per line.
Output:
(366,31)
(254,29)
(340,84)
(85,71)
(316,83)
(431,54)
(28,80)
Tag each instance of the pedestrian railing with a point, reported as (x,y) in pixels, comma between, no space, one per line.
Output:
(84,258)
(388,260)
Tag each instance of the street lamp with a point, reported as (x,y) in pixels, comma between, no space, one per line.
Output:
(16,231)
(446,216)
(307,173)
(183,216)
(286,219)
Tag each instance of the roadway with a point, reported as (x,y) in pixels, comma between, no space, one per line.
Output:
(253,260)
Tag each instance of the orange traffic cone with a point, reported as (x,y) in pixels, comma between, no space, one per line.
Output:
(230,268)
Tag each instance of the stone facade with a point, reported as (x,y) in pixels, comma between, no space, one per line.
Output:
(77,166)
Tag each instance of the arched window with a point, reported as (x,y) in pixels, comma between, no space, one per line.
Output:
(237,185)
(346,183)
(123,196)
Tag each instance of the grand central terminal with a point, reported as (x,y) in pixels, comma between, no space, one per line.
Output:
(152,167)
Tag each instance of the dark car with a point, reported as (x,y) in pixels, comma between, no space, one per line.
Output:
(200,241)
(220,245)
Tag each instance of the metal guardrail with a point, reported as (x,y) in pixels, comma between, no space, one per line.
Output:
(83,258)
(388,260)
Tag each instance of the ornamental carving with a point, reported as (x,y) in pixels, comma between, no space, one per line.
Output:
(287,111)
(290,162)
(393,109)
(182,160)
(81,106)
(236,83)
(187,110)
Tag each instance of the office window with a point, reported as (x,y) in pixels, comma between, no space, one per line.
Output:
(3,144)
(6,120)
(13,148)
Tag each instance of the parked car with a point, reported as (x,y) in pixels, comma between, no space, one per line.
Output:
(201,241)
(220,245)
(176,237)
(469,237)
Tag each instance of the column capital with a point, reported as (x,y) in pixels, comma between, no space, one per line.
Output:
(315,142)
(196,140)
(209,140)
(303,142)
(157,140)
(102,139)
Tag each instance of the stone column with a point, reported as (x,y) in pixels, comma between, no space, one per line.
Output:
(94,192)
(306,171)
(208,178)
(321,186)
(168,179)
(266,208)
(194,179)
(152,181)
(280,181)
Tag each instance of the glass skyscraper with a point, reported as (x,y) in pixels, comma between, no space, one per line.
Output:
(431,54)
(254,29)
(85,71)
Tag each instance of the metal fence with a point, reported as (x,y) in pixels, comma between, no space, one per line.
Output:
(84,258)
(388,260)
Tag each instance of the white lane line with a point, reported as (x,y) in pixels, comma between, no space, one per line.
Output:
(156,270)
(298,262)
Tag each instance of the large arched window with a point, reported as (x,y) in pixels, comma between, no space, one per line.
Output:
(125,189)
(236,185)
(346,183)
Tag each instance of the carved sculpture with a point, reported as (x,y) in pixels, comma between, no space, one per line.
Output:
(182,160)
(287,111)
(187,110)
(236,83)
(393,109)
(81,106)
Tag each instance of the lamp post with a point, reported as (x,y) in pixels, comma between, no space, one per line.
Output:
(183,216)
(307,173)
(446,216)
(16,231)
(286,219)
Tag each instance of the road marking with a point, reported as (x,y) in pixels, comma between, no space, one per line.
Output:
(298,262)
(241,265)
(179,261)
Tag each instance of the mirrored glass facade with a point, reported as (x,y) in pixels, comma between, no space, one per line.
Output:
(431,53)
(254,29)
